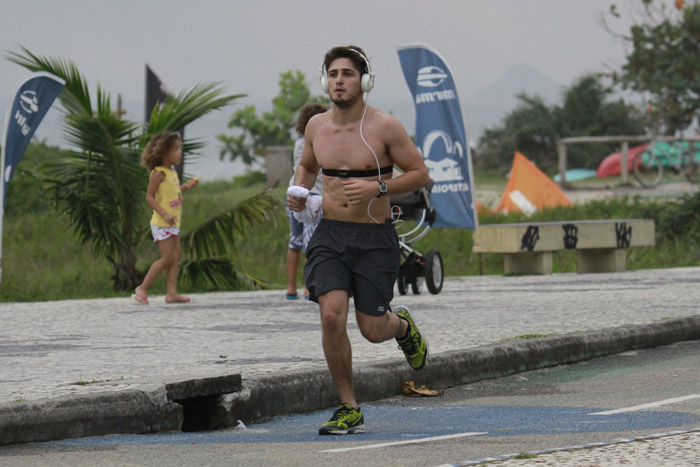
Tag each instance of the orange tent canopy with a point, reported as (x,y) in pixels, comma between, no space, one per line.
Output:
(529,189)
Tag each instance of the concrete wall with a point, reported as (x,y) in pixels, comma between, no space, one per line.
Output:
(278,165)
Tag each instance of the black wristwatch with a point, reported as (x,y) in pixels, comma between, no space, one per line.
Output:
(382,188)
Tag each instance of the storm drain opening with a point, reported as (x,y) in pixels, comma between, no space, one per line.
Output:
(200,400)
(198,412)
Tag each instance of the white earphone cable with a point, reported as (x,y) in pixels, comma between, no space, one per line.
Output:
(379,172)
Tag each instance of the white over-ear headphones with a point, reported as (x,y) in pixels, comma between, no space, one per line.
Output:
(366,81)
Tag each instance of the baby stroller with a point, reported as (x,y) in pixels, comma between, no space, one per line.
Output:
(417,215)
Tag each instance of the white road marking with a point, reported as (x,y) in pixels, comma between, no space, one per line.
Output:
(410,441)
(648,406)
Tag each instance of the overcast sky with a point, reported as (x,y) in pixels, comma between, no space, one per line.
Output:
(246,44)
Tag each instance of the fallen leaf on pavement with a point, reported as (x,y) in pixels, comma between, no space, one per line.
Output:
(409,389)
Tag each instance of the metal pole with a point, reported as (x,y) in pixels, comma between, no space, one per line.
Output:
(561,150)
(2,191)
(624,167)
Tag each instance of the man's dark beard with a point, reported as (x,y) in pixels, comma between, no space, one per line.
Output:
(344,103)
(341,104)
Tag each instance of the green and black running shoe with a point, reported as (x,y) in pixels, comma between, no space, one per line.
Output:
(345,420)
(414,346)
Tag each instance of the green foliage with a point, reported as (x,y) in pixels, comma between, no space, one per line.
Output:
(100,185)
(274,128)
(75,96)
(679,220)
(42,260)
(664,62)
(26,193)
(530,128)
(186,107)
(587,111)
(217,236)
(249,179)
(216,274)
(533,127)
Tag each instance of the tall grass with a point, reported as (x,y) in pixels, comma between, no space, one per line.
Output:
(41,260)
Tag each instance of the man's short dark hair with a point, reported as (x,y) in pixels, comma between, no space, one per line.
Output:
(349,52)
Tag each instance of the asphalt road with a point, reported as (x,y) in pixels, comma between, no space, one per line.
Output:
(596,401)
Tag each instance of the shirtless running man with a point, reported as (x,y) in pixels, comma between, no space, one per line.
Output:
(355,251)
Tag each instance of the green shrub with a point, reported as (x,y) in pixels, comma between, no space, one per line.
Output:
(25,193)
(249,179)
(679,220)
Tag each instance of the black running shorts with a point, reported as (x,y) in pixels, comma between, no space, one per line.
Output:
(362,259)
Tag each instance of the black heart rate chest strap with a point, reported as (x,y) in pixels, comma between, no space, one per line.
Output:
(346,173)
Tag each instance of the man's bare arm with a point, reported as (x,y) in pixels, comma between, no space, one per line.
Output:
(308,165)
(406,156)
(307,171)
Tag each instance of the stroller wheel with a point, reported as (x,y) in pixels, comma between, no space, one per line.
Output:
(402,282)
(416,285)
(433,271)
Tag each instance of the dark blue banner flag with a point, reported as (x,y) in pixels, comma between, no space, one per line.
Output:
(28,106)
(440,135)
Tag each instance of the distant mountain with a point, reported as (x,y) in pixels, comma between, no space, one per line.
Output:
(488,106)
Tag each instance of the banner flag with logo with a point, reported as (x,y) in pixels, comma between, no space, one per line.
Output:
(31,101)
(440,135)
(28,106)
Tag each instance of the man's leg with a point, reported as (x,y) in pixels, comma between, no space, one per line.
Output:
(296,231)
(377,329)
(292,265)
(348,417)
(336,344)
(373,282)
(398,325)
(413,343)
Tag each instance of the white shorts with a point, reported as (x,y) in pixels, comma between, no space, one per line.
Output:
(161,233)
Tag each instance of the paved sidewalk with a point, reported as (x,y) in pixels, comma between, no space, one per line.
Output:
(75,348)
(50,349)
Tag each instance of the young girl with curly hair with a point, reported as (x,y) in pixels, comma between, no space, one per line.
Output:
(164,196)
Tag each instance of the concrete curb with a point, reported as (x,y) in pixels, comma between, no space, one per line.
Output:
(305,391)
(208,403)
(128,411)
(171,404)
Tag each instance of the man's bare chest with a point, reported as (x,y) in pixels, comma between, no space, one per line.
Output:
(347,150)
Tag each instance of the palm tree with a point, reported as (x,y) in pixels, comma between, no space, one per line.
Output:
(101,185)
